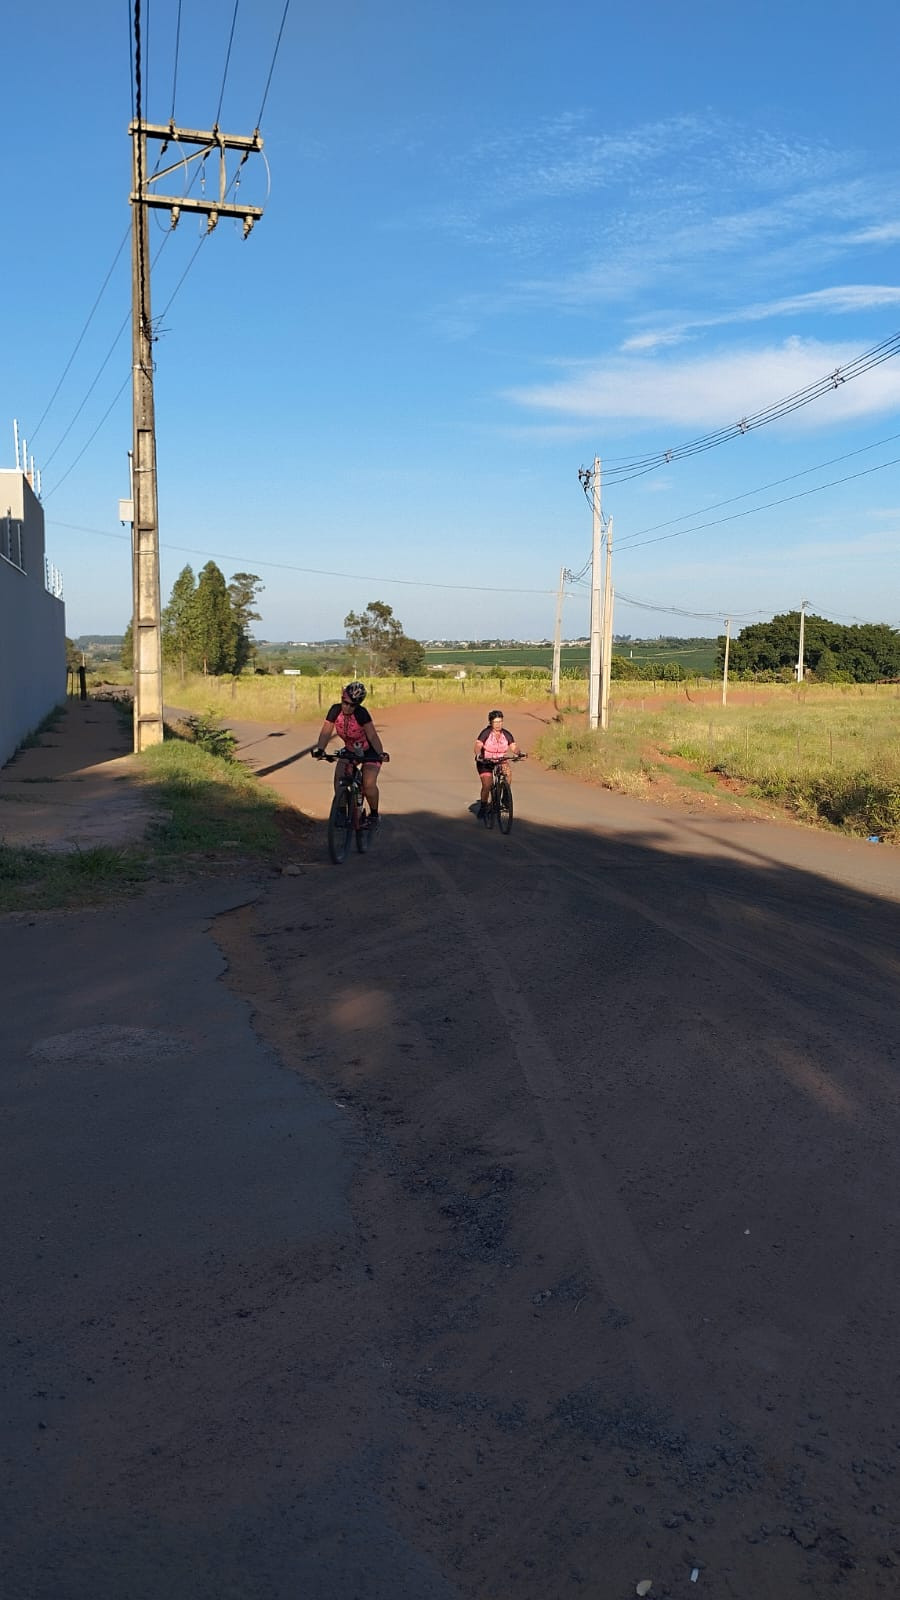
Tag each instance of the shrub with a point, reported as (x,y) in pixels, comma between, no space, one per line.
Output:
(205,729)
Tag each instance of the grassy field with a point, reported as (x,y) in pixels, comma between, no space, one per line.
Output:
(827,754)
(299,699)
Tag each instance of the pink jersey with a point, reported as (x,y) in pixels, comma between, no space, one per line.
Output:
(496,745)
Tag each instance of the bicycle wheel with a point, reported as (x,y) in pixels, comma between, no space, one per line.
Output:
(504,806)
(340,826)
(361,823)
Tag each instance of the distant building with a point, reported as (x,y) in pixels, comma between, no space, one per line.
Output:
(32,616)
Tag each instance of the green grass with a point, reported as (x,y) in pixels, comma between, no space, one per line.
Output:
(826,754)
(39,880)
(213,814)
(218,809)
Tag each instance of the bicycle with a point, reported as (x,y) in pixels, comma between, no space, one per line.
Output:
(500,804)
(348,815)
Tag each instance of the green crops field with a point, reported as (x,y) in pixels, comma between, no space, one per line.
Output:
(696,656)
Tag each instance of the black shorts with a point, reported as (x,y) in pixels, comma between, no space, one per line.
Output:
(488,766)
(368,757)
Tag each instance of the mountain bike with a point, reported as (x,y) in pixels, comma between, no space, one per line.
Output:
(348,816)
(500,804)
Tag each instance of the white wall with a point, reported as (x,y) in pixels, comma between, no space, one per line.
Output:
(32,623)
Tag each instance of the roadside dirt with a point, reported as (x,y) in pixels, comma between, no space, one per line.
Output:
(74,789)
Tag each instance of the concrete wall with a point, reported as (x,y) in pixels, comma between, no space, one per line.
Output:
(32,621)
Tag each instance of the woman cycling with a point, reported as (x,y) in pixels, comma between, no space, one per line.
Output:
(492,745)
(355,728)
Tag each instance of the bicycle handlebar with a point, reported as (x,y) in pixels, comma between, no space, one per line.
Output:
(346,755)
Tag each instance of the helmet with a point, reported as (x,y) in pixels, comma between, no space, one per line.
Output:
(493,714)
(356,692)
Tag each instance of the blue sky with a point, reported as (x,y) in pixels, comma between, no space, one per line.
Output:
(499,239)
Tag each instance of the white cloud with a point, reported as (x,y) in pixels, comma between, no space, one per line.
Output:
(716,389)
(886,233)
(840,298)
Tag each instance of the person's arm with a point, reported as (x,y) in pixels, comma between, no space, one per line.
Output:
(326,733)
(374,738)
(512,749)
(479,746)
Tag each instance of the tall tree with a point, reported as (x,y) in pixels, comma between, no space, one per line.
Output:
(215,624)
(179,623)
(378,633)
(243,592)
(126,654)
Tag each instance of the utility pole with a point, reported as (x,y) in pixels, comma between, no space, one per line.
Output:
(557,633)
(148,689)
(803,606)
(606,671)
(593,477)
(725,667)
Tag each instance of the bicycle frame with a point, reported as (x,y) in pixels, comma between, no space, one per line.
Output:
(348,809)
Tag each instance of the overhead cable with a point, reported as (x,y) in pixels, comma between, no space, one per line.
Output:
(274,59)
(622,471)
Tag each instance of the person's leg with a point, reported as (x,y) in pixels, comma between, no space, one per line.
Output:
(486,781)
(370,786)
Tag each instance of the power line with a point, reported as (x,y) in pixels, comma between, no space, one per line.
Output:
(636,543)
(227,59)
(34,433)
(775,484)
(639,466)
(319,572)
(89,441)
(274,59)
(175,68)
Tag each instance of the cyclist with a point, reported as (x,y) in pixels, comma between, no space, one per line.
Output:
(492,744)
(355,728)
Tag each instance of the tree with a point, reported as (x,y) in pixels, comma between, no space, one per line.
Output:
(407,657)
(213,618)
(179,623)
(378,633)
(242,594)
(833,652)
(126,654)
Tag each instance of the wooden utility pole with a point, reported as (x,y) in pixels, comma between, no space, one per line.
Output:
(725,667)
(594,670)
(557,632)
(607,629)
(147,615)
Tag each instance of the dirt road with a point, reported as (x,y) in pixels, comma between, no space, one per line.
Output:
(520,1223)
(623,1299)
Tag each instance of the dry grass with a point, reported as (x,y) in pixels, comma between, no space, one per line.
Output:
(826,753)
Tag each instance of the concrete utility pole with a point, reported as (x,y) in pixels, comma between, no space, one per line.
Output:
(594,670)
(725,667)
(803,606)
(557,632)
(148,692)
(606,673)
